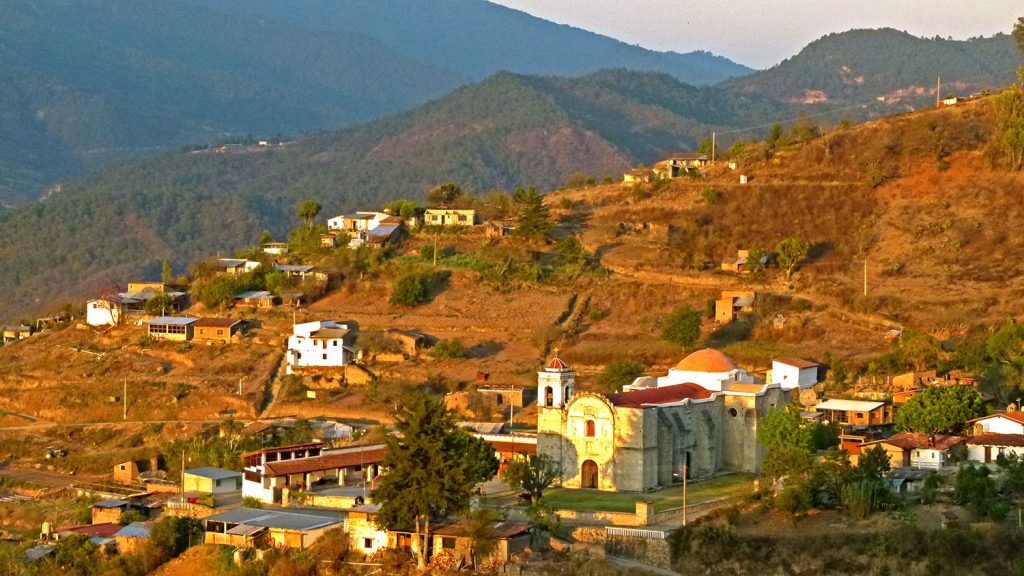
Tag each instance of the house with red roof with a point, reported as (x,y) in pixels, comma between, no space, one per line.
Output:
(996,435)
(916,450)
(698,421)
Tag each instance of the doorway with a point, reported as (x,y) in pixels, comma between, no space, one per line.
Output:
(589,474)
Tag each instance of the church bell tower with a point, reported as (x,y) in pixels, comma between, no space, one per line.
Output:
(555,384)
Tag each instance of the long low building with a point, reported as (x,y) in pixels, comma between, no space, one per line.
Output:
(259,528)
(307,466)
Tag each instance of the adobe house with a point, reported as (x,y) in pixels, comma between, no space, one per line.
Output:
(639,176)
(108,511)
(411,341)
(856,412)
(224,330)
(512,538)
(209,480)
(732,304)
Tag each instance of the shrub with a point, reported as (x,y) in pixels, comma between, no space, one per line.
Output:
(682,326)
(618,374)
(447,349)
(251,502)
(710,196)
(409,291)
(863,497)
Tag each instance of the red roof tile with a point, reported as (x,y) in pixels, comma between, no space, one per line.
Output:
(664,395)
(797,362)
(1015,416)
(556,365)
(509,447)
(104,530)
(994,439)
(329,461)
(912,440)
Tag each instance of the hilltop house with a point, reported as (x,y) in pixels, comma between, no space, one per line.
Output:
(256,299)
(258,528)
(732,304)
(915,450)
(275,248)
(741,264)
(234,266)
(791,373)
(211,480)
(301,271)
(320,344)
(112,310)
(639,176)
(996,435)
(699,420)
(14,333)
(223,330)
(445,217)
(356,222)
(683,163)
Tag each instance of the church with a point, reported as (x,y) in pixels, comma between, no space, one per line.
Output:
(699,420)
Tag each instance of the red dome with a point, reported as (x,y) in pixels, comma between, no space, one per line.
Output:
(706,360)
(556,365)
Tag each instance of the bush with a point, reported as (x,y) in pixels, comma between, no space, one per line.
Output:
(618,374)
(710,196)
(414,288)
(447,349)
(251,502)
(682,326)
(863,497)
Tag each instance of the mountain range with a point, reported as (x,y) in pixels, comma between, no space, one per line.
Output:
(86,82)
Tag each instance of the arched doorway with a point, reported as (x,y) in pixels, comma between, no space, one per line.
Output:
(588,474)
(549,396)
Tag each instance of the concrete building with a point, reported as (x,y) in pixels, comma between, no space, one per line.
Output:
(320,344)
(707,368)
(223,330)
(793,373)
(442,217)
(861,413)
(176,328)
(269,472)
(234,266)
(914,450)
(651,435)
(211,480)
(259,528)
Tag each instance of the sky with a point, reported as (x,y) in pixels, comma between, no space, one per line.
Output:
(762,33)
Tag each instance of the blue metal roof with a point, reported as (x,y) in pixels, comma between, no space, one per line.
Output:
(173,320)
(213,473)
(134,530)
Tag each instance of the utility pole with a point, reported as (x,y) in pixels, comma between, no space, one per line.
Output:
(684,493)
(124,400)
(511,408)
(714,138)
(865,276)
(435,249)
(938,92)
(239,385)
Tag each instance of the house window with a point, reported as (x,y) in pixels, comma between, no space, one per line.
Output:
(123,467)
(589,428)
(220,332)
(499,400)
(334,343)
(325,356)
(448,543)
(367,543)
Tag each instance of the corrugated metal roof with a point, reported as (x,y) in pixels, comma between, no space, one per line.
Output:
(292,268)
(849,405)
(110,504)
(213,473)
(134,530)
(290,520)
(254,295)
(173,320)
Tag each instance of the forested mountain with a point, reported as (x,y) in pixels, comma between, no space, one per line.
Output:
(860,66)
(479,38)
(510,130)
(85,82)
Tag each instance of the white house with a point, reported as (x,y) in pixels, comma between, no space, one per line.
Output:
(707,368)
(322,344)
(235,266)
(357,222)
(793,373)
(275,248)
(104,311)
(1001,423)
(996,435)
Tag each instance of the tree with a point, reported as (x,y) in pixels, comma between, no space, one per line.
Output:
(410,290)
(787,439)
(532,474)
(737,150)
(444,195)
(483,539)
(308,211)
(534,222)
(266,238)
(430,474)
(175,534)
(166,276)
(873,463)
(1011,108)
(159,304)
(940,410)
(618,374)
(447,350)
(704,146)
(1018,33)
(791,252)
(682,326)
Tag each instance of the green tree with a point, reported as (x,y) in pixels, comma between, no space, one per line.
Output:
(445,195)
(159,305)
(976,488)
(1018,33)
(775,135)
(409,290)
(618,374)
(1012,467)
(791,252)
(429,472)
(873,463)
(737,150)
(479,528)
(543,519)
(534,221)
(308,212)
(175,534)
(405,209)
(940,410)
(705,146)
(1011,109)
(166,276)
(682,326)
(77,555)
(266,238)
(447,350)
(532,474)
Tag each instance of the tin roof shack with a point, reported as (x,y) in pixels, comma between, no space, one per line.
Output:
(856,412)
(683,163)
(209,480)
(234,266)
(226,330)
(132,537)
(176,328)
(15,333)
(411,341)
(259,528)
(914,450)
(107,511)
(455,540)
(732,304)
(256,299)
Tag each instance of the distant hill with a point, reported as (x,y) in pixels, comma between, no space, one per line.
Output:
(85,82)
(863,66)
(510,130)
(479,38)
(121,81)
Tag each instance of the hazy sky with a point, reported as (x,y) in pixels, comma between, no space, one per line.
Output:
(761,33)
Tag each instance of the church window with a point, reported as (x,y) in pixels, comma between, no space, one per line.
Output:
(549,396)
(589,428)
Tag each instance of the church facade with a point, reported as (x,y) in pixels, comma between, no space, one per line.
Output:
(655,431)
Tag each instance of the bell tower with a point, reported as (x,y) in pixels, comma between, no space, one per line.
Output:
(555,384)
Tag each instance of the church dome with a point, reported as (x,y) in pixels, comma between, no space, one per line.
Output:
(706,360)
(556,365)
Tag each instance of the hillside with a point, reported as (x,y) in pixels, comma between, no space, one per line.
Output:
(886,70)
(505,132)
(121,82)
(479,38)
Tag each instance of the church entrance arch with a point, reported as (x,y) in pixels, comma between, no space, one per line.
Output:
(589,474)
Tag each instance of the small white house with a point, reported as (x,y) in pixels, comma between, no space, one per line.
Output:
(357,222)
(989,446)
(235,266)
(1001,423)
(791,373)
(320,344)
(276,248)
(104,311)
